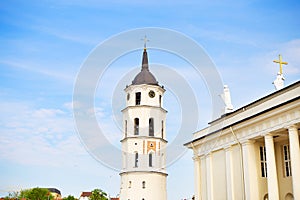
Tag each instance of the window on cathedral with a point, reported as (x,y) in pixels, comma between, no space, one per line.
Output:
(137,98)
(125,128)
(136,126)
(150,160)
(263,161)
(129,184)
(287,160)
(151,127)
(144,184)
(136,159)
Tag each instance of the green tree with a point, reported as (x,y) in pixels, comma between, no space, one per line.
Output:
(36,194)
(98,194)
(70,197)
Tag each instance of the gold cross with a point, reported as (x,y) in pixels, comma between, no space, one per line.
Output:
(280,63)
(145,41)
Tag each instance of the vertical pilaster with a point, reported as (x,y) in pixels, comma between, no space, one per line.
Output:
(209,177)
(273,192)
(250,170)
(295,159)
(197,178)
(229,173)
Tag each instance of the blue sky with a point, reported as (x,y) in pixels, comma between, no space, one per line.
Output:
(44,43)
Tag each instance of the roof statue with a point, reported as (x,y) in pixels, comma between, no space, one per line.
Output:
(227,99)
(279,81)
(145,76)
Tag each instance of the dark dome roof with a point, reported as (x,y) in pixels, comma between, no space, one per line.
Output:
(145,76)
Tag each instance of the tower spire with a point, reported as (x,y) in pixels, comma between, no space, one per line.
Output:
(145,55)
(145,65)
(145,76)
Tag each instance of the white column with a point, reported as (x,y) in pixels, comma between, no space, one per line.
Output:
(203,192)
(273,192)
(197,179)
(250,170)
(295,159)
(209,177)
(229,173)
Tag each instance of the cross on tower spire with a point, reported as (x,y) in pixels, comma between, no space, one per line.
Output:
(145,42)
(280,63)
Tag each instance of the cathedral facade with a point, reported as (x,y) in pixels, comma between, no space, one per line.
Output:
(252,152)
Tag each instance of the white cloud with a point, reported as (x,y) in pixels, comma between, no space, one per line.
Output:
(37,136)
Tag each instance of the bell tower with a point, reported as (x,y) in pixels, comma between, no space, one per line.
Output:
(143,174)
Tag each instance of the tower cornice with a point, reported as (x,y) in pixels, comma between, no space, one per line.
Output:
(144,106)
(144,137)
(143,171)
(144,86)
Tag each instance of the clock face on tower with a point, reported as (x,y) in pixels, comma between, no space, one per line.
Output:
(151,94)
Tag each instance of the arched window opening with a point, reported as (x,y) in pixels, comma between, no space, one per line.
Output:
(160,100)
(289,196)
(144,184)
(136,159)
(150,160)
(136,126)
(162,129)
(129,184)
(138,98)
(151,127)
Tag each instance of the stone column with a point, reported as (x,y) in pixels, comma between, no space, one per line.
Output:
(295,159)
(250,170)
(197,179)
(209,177)
(229,173)
(203,192)
(273,193)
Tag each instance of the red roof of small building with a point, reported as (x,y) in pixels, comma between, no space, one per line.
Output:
(85,194)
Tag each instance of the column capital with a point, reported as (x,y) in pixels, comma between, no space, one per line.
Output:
(247,142)
(268,136)
(196,158)
(292,127)
(228,148)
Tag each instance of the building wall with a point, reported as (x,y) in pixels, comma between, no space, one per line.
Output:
(219,174)
(229,157)
(285,183)
(237,172)
(143,175)
(132,186)
(218,171)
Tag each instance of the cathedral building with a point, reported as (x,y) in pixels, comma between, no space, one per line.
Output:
(143,175)
(252,152)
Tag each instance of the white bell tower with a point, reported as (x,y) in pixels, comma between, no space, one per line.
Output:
(143,175)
